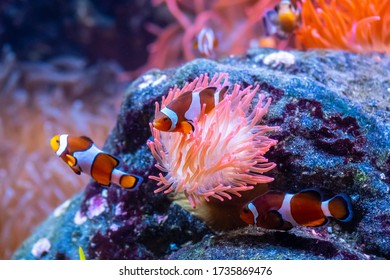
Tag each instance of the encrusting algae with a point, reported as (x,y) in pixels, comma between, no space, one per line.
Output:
(224,155)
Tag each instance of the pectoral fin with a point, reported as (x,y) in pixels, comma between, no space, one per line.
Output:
(186,127)
(76,169)
(70,160)
(273,220)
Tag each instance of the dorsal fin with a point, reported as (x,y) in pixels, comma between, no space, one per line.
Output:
(314,192)
(179,99)
(181,104)
(223,92)
(78,143)
(113,159)
(86,138)
(209,91)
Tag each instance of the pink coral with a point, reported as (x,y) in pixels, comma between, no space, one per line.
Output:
(224,155)
(235,22)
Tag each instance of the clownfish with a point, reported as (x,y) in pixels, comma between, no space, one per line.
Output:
(282,20)
(178,116)
(206,42)
(81,154)
(279,210)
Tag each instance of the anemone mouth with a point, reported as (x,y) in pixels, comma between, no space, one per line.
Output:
(224,156)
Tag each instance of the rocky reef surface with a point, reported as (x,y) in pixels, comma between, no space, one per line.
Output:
(333,109)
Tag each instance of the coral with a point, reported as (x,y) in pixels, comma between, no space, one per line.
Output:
(236,24)
(354,25)
(224,155)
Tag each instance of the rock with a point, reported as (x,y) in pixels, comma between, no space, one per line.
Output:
(249,244)
(333,110)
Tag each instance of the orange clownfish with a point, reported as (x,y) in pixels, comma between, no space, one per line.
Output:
(281,21)
(279,210)
(178,116)
(206,42)
(81,154)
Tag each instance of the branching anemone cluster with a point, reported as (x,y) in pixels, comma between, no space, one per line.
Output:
(355,25)
(224,155)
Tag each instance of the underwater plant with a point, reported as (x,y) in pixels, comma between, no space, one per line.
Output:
(354,25)
(224,155)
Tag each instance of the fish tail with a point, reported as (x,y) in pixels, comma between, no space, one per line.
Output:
(340,207)
(128,181)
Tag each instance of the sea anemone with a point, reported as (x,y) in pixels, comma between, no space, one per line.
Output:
(358,26)
(224,155)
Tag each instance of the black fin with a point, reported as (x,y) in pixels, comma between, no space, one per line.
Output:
(209,91)
(87,139)
(223,92)
(314,191)
(274,192)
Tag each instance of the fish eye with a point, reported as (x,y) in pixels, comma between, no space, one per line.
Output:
(165,119)
(245,210)
(57,141)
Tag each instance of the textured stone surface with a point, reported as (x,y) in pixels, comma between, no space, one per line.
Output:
(333,109)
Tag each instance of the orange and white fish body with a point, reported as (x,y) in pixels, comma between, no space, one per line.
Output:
(178,116)
(81,154)
(206,42)
(279,210)
(282,20)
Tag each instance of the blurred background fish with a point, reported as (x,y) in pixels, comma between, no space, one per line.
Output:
(282,20)
(206,42)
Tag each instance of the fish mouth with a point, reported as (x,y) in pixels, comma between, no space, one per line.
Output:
(159,125)
(246,219)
